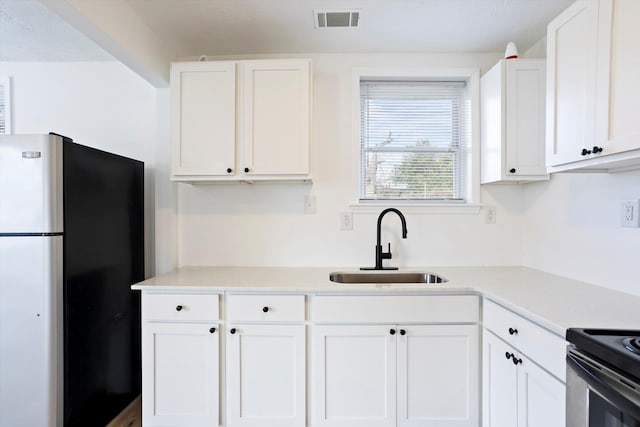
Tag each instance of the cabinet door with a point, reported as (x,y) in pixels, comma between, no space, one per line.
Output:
(354,376)
(266,375)
(180,375)
(203,133)
(618,69)
(541,397)
(571,82)
(276,117)
(525,107)
(499,383)
(438,370)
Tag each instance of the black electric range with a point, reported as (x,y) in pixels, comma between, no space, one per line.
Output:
(619,349)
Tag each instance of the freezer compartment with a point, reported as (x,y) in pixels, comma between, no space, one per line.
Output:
(30,184)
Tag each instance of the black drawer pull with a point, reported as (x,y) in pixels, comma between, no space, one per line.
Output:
(179,308)
(513,331)
(233,331)
(212,330)
(265,309)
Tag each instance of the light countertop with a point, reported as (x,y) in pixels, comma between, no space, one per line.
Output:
(554,302)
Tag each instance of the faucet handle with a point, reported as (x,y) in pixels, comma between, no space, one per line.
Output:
(387,255)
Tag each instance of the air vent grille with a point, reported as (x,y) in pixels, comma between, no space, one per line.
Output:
(336,18)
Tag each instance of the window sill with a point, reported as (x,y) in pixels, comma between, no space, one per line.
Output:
(374,207)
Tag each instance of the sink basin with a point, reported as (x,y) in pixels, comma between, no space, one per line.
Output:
(385,277)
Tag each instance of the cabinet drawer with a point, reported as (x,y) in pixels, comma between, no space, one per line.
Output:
(537,343)
(265,307)
(396,309)
(180,307)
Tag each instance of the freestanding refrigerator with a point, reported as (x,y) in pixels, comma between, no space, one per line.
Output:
(71,244)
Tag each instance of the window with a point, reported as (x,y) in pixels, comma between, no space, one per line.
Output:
(415,138)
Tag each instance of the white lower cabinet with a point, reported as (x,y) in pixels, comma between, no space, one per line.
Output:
(395,375)
(266,360)
(180,360)
(523,371)
(180,372)
(438,376)
(266,375)
(518,392)
(354,376)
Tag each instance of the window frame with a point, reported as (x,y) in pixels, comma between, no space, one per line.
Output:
(471,140)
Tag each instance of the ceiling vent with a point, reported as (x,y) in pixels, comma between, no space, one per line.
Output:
(336,18)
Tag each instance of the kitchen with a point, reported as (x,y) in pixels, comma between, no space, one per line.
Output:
(567,226)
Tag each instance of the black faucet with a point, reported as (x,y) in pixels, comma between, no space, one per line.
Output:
(380,255)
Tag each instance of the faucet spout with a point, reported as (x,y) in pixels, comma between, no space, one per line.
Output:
(380,254)
(402,219)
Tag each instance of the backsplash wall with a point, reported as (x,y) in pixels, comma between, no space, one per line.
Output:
(264,224)
(572,228)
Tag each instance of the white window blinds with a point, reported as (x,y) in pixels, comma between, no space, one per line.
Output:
(5,102)
(410,140)
(3,121)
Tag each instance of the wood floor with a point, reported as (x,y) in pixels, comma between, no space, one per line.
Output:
(131,416)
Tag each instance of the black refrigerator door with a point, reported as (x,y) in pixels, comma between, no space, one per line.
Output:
(103,257)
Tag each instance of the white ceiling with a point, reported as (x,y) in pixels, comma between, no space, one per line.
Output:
(220,27)
(29,31)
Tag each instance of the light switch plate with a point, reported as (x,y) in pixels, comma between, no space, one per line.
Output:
(309,204)
(346,220)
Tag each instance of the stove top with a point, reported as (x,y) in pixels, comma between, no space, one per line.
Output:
(618,349)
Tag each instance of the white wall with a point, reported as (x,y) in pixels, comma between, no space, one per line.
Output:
(101,104)
(572,228)
(264,224)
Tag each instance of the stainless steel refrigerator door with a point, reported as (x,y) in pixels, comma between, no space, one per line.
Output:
(31,331)
(30,184)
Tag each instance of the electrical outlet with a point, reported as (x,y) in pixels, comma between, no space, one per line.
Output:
(490,215)
(629,213)
(346,221)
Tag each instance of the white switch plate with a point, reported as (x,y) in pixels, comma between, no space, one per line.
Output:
(309,204)
(346,221)
(629,213)
(490,215)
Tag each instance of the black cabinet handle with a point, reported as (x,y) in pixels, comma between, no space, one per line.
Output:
(229,170)
(246,170)
(516,361)
(179,308)
(403,332)
(597,149)
(513,331)
(392,331)
(585,152)
(212,330)
(233,331)
(265,309)
(508,355)
(512,170)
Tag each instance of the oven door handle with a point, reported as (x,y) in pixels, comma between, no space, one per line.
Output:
(603,388)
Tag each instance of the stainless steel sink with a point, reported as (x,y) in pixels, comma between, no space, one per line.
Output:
(385,277)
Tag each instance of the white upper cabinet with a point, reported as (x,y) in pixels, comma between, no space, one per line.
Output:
(619,88)
(241,120)
(203,119)
(276,114)
(593,93)
(513,123)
